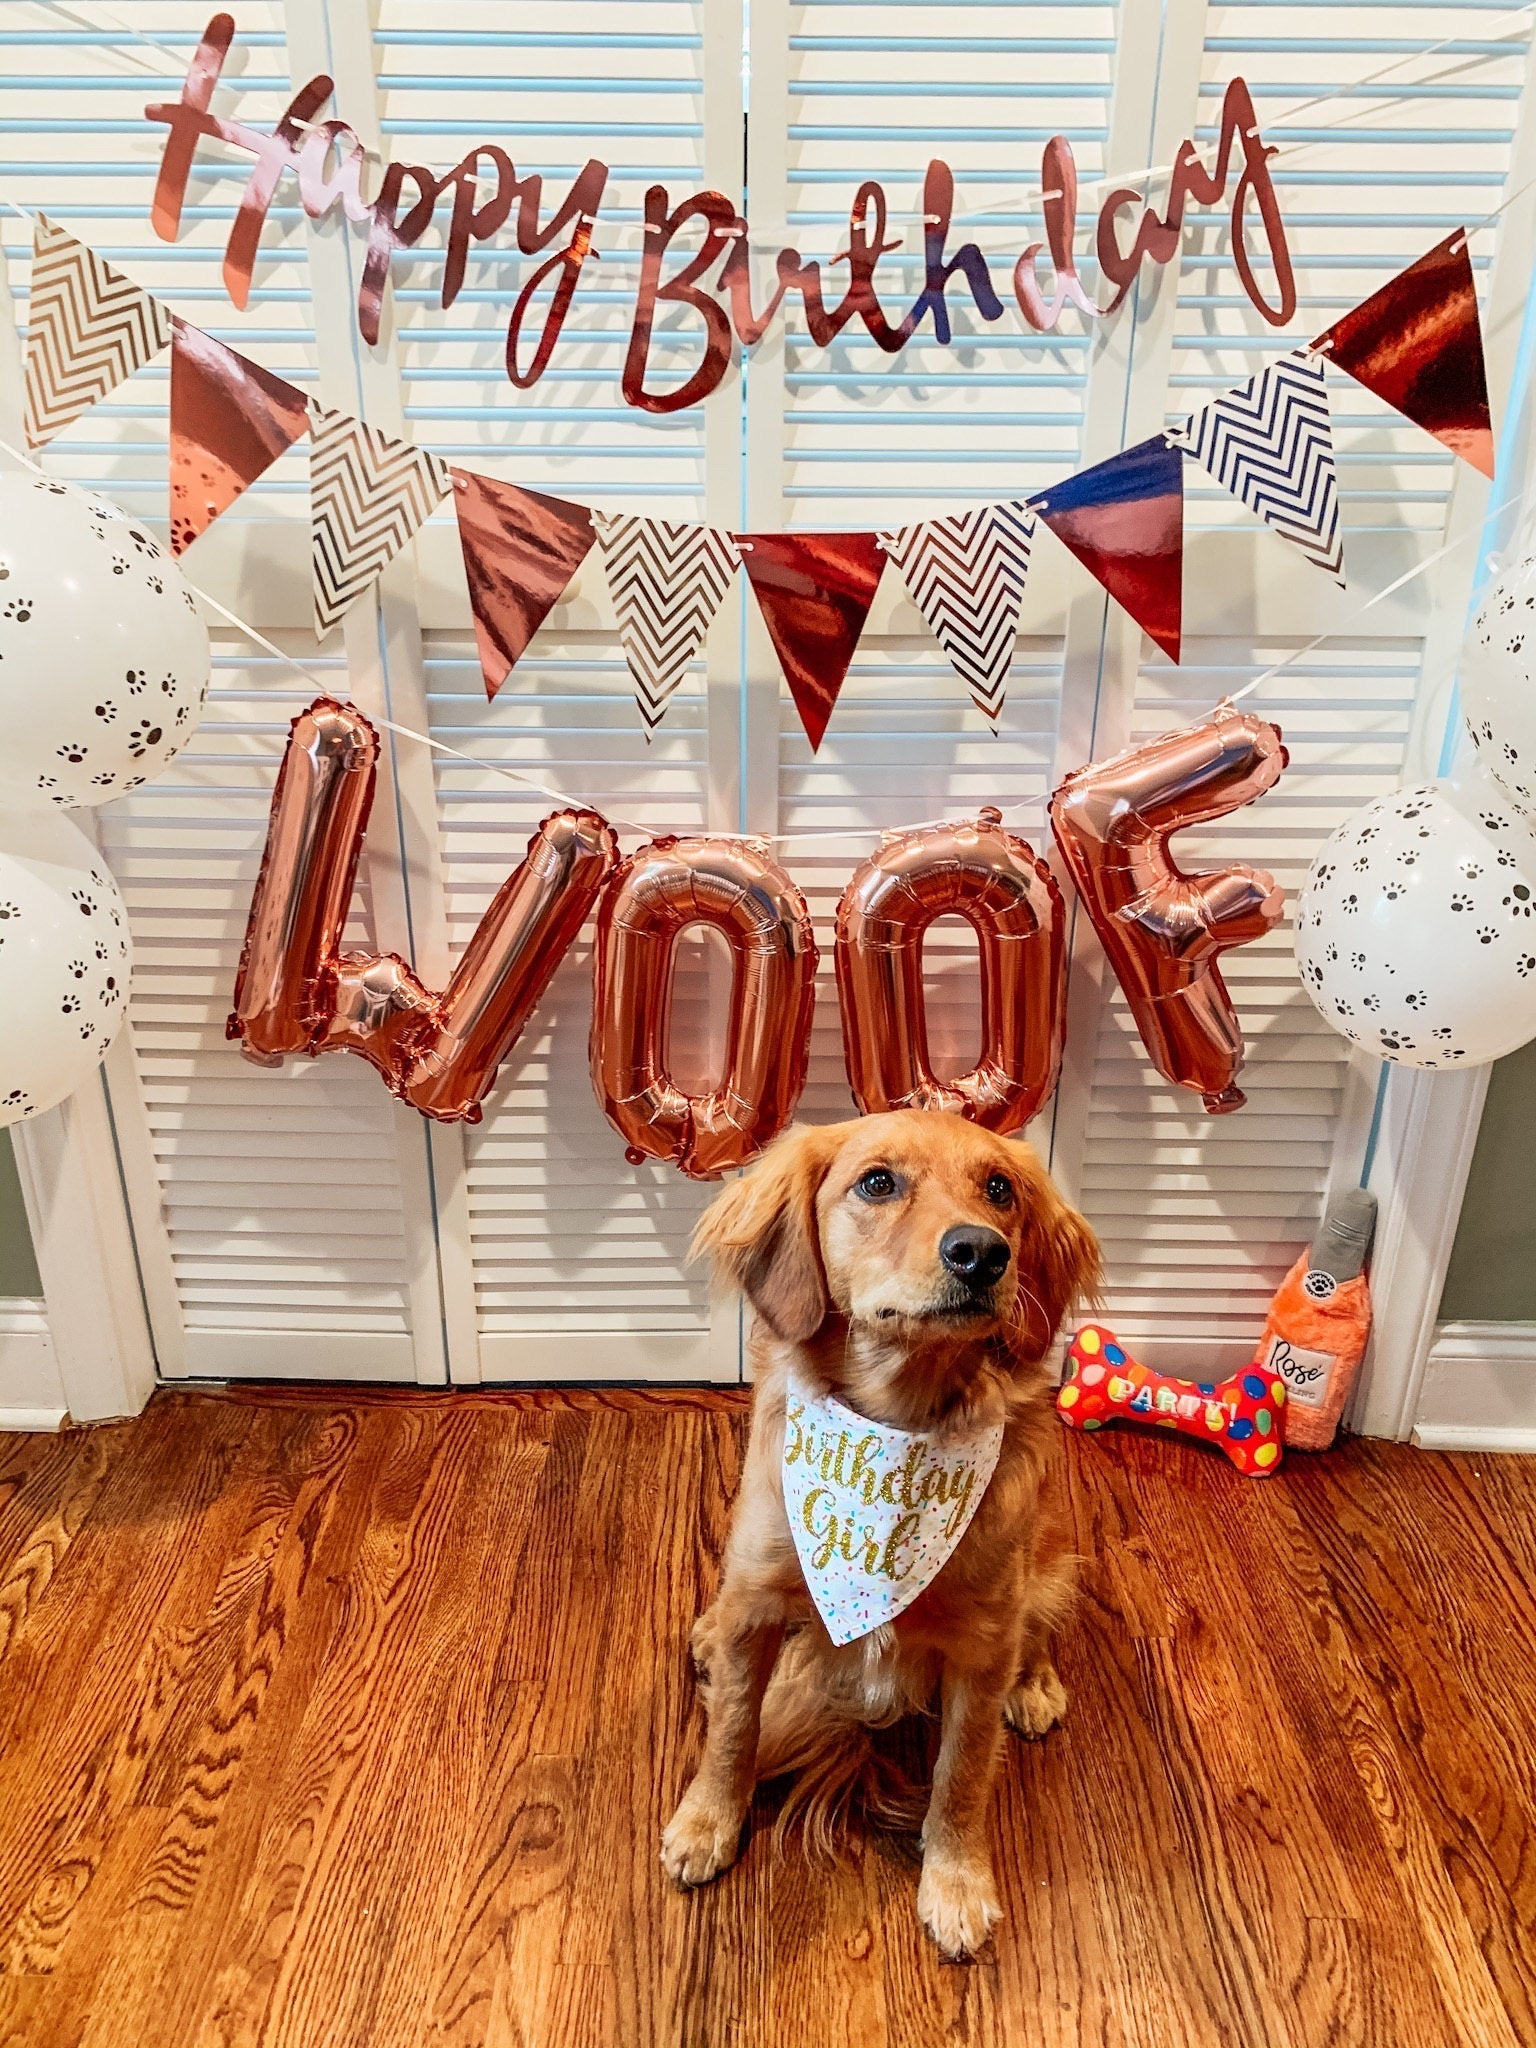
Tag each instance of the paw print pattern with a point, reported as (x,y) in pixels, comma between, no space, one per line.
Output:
(1461,903)
(1392,891)
(106,711)
(69,1005)
(1486,934)
(119,565)
(1525,965)
(18,611)
(157,585)
(86,905)
(73,751)
(1416,999)
(104,780)
(1520,902)
(144,736)
(18,1098)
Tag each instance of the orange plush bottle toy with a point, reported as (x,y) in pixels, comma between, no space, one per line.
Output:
(1319,1321)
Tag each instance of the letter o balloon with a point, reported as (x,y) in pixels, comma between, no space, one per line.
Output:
(653,898)
(1009,897)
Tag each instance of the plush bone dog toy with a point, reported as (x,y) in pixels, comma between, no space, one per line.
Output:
(1244,1415)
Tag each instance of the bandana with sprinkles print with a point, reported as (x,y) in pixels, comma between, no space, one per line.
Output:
(876,1512)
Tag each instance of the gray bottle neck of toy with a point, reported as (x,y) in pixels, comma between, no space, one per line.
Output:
(1343,1244)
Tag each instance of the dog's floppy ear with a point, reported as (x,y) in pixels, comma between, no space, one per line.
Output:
(1059,1263)
(761,1234)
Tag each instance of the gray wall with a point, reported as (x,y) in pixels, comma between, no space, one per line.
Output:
(1492,1275)
(18,1268)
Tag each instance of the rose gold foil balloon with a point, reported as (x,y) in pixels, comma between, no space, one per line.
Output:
(285,990)
(507,965)
(1164,930)
(994,881)
(658,893)
(296,990)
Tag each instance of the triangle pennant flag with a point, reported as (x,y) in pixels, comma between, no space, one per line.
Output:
(1270,444)
(368,495)
(965,573)
(521,550)
(230,421)
(667,582)
(814,591)
(88,328)
(1124,521)
(1418,344)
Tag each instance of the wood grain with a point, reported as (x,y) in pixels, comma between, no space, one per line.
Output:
(350,1720)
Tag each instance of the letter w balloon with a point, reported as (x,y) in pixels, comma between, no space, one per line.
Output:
(1164,930)
(298,992)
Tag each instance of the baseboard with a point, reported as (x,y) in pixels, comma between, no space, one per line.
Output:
(33,1421)
(1479,1390)
(31,1391)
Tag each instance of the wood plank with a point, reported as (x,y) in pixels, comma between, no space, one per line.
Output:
(343,1717)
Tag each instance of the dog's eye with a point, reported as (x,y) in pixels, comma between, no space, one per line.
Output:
(877,1185)
(999,1189)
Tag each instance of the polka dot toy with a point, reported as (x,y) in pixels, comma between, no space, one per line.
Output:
(1243,1415)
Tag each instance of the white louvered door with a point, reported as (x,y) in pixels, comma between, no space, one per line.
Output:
(302,1224)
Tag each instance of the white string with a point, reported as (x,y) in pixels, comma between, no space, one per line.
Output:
(1292,151)
(777,231)
(1408,576)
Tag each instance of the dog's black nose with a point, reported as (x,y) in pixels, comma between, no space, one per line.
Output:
(975,1254)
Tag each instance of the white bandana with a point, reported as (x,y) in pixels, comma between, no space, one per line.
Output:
(876,1511)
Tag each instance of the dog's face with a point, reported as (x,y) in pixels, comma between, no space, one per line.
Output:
(918,1226)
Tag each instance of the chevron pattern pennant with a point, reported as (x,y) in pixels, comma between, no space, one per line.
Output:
(667,582)
(965,573)
(368,494)
(88,329)
(1270,444)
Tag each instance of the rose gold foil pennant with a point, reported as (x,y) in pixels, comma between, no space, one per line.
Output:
(1124,521)
(230,421)
(1418,344)
(814,591)
(521,550)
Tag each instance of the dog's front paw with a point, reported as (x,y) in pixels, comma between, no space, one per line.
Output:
(700,1839)
(1036,1704)
(957,1902)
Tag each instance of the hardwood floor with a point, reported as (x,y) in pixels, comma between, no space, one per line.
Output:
(350,1721)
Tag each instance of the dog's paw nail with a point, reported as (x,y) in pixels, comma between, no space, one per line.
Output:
(1033,1710)
(958,1905)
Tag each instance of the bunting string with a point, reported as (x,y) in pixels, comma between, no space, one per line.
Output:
(330,686)
(1269,442)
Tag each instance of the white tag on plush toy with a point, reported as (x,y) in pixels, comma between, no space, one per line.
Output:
(876,1511)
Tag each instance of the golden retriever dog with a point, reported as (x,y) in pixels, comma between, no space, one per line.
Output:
(915,1267)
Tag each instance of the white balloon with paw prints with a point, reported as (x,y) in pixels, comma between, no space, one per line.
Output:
(1416,928)
(104,658)
(1497,680)
(64,960)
